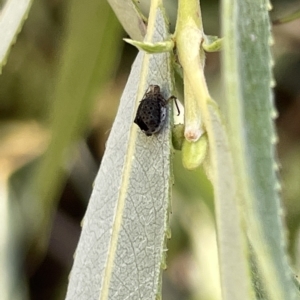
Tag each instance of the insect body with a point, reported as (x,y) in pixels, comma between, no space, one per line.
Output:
(152,111)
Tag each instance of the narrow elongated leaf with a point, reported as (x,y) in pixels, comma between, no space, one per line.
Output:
(88,53)
(232,244)
(12,17)
(122,246)
(249,110)
(130,17)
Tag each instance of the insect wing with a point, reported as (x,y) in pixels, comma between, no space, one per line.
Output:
(150,116)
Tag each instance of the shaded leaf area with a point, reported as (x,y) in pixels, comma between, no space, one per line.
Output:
(87,63)
(82,73)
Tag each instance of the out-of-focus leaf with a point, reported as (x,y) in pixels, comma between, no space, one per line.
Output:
(289,18)
(122,247)
(130,17)
(88,57)
(12,17)
(250,111)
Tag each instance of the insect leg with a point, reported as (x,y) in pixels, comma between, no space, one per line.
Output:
(175,100)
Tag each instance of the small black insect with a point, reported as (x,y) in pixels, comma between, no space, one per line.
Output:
(152,111)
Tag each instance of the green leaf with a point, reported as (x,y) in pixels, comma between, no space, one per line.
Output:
(122,247)
(88,52)
(131,18)
(212,43)
(12,17)
(177,136)
(250,111)
(289,18)
(194,153)
(165,46)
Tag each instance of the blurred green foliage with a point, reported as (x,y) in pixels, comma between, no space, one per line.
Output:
(29,88)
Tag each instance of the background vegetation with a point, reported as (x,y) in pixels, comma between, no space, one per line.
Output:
(42,62)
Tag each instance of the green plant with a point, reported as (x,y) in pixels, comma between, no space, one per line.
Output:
(123,246)
(241,164)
